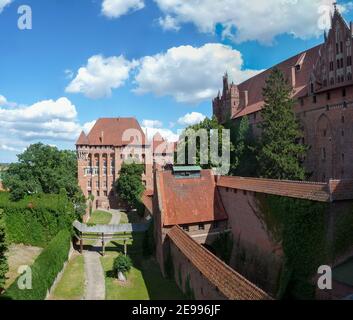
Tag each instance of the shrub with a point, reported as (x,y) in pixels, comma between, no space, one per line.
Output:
(36,220)
(44,270)
(122,264)
(3,248)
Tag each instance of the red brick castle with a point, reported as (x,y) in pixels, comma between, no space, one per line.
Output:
(322,83)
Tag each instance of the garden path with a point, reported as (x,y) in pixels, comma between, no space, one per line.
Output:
(94,274)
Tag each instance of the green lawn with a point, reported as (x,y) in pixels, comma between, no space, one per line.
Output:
(145,281)
(100,217)
(71,285)
(131,217)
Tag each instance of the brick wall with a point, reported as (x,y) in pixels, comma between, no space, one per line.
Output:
(184,271)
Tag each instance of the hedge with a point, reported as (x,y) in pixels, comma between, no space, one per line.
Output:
(36,220)
(44,270)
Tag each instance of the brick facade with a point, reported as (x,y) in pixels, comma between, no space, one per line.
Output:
(323,92)
(101,153)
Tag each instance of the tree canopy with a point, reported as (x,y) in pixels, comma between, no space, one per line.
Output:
(203,154)
(280,152)
(43,169)
(129,186)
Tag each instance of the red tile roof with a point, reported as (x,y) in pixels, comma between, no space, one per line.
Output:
(302,190)
(188,201)
(82,140)
(230,283)
(147,200)
(110,132)
(160,145)
(255,85)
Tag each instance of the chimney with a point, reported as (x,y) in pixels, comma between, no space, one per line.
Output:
(293,77)
(245,98)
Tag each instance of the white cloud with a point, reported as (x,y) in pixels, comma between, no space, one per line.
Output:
(152,123)
(49,119)
(167,134)
(191,119)
(87,127)
(190,74)
(245,20)
(3,4)
(168,23)
(4,102)
(100,76)
(117,8)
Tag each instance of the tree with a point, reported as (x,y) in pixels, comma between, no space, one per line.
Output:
(3,249)
(280,153)
(43,169)
(129,186)
(122,265)
(190,140)
(243,156)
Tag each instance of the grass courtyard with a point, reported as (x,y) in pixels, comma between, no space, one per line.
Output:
(100,217)
(71,285)
(144,281)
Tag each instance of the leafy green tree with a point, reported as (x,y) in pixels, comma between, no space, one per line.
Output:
(280,153)
(129,186)
(44,169)
(190,140)
(3,249)
(122,264)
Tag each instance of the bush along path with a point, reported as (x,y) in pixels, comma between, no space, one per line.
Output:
(94,274)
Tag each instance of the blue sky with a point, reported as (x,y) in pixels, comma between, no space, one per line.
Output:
(158,60)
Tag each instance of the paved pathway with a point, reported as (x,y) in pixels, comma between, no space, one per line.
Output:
(94,273)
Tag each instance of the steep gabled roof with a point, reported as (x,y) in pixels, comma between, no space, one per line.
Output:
(82,140)
(161,145)
(255,85)
(115,132)
(188,201)
(230,283)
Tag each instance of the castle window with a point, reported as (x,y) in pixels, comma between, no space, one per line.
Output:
(302,102)
(201,226)
(341,46)
(344,92)
(342,119)
(341,62)
(331,66)
(349,60)
(342,157)
(105,193)
(328,95)
(337,51)
(349,76)
(97,184)
(186,228)
(312,88)
(314,99)
(89,183)
(342,133)
(332,81)
(297,67)
(338,63)
(98,193)
(324,133)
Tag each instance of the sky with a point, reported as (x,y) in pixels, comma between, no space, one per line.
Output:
(64,63)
